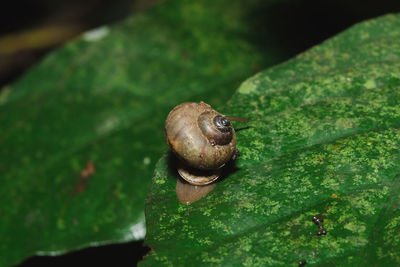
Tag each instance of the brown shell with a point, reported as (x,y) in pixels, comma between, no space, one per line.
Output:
(188,142)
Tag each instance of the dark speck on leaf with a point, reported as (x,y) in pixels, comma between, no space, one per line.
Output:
(321,231)
(302,262)
(318,219)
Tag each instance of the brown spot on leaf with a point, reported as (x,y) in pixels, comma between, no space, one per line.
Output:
(88,171)
(80,188)
(85,174)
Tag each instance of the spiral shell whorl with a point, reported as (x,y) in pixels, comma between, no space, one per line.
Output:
(211,125)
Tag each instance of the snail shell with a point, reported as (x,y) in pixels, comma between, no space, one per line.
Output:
(202,139)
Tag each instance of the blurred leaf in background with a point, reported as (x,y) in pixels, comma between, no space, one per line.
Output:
(324,138)
(82,130)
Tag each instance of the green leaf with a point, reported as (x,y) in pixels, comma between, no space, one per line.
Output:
(100,103)
(324,138)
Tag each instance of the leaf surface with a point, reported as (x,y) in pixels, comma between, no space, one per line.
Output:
(324,138)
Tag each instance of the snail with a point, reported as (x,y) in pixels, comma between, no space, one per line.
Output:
(203,140)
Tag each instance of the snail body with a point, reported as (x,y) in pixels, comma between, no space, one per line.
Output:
(202,139)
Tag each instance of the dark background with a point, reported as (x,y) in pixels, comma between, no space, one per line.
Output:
(51,23)
(126,254)
(297,25)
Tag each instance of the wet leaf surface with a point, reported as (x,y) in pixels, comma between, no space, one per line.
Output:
(324,138)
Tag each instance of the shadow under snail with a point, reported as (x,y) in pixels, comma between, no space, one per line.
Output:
(203,140)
